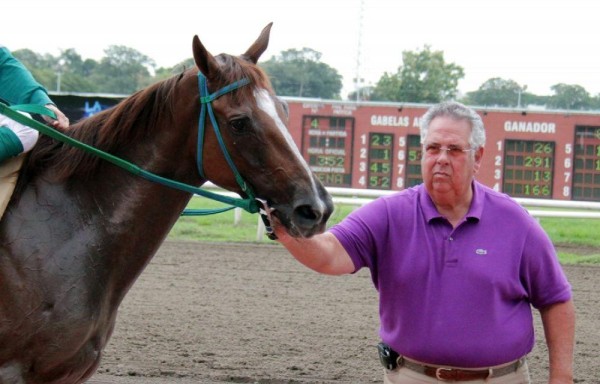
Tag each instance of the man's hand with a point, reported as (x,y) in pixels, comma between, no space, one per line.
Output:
(265,214)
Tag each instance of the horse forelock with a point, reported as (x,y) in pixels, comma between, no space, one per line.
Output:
(234,69)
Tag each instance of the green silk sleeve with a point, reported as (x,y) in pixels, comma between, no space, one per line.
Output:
(17,85)
(10,145)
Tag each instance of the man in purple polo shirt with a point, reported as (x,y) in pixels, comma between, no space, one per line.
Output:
(457,266)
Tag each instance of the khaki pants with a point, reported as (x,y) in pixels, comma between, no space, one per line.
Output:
(9,173)
(403,375)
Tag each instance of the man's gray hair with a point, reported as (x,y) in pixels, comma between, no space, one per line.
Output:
(457,111)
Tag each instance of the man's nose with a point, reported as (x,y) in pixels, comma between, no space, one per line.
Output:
(443,156)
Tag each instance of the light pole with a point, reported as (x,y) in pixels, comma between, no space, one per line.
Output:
(519,92)
(357,79)
(59,68)
(358,85)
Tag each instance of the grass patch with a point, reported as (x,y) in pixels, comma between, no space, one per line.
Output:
(570,258)
(223,228)
(572,231)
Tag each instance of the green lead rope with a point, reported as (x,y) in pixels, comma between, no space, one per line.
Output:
(12,112)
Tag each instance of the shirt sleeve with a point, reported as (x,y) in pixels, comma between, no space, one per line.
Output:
(361,231)
(541,272)
(17,85)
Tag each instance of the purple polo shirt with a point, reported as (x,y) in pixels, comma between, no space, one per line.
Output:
(459,297)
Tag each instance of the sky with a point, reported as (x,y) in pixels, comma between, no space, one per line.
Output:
(537,43)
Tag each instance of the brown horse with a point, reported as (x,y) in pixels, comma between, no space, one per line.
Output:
(79,230)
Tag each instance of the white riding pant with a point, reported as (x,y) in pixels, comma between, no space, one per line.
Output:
(27,136)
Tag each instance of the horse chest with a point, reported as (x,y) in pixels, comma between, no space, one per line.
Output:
(55,319)
(51,345)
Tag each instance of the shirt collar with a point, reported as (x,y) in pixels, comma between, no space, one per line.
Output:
(431,212)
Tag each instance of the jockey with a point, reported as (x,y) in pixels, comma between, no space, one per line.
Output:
(17,86)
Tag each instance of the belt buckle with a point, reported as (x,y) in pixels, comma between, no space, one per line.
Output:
(440,371)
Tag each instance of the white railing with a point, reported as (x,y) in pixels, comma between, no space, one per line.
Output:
(358,197)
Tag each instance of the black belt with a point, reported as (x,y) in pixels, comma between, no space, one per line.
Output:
(456,374)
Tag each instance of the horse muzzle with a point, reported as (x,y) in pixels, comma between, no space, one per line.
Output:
(305,218)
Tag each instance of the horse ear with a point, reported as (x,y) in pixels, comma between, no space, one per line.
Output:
(205,62)
(260,45)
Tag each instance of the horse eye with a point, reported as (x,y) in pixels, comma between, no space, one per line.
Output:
(240,125)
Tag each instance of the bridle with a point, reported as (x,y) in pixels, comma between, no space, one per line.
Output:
(206,100)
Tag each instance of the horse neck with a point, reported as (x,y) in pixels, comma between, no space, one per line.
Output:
(127,199)
(126,215)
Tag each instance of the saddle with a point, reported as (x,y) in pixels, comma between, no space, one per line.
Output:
(9,174)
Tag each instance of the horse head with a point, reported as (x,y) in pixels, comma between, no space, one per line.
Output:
(251,121)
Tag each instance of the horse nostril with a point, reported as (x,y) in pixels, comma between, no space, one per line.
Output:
(305,214)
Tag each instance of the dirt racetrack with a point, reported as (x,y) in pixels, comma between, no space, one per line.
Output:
(249,313)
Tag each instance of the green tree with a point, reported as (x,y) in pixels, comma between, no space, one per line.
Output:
(42,67)
(74,72)
(497,92)
(423,77)
(364,93)
(123,70)
(164,73)
(567,96)
(595,102)
(72,62)
(300,73)
(388,88)
(30,59)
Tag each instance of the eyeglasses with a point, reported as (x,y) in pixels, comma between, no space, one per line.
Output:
(451,150)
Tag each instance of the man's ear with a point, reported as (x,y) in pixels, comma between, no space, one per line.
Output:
(478,158)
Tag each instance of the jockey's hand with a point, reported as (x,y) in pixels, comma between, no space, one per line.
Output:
(61,121)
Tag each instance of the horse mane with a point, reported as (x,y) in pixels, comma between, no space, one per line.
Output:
(129,122)
(110,130)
